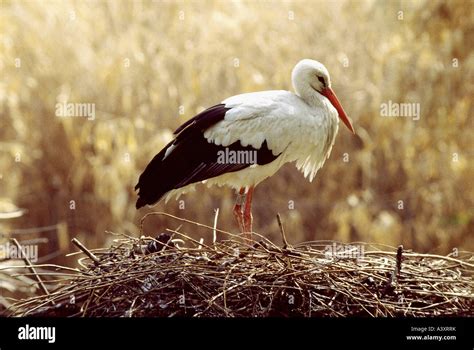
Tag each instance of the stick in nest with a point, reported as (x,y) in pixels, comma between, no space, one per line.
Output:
(282,231)
(30,266)
(86,251)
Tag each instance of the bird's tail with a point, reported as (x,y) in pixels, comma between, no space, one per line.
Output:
(151,185)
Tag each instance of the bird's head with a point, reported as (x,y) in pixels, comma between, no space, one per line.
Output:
(310,76)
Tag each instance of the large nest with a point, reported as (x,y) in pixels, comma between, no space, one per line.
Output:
(175,275)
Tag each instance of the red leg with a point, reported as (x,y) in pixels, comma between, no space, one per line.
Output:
(248,219)
(238,214)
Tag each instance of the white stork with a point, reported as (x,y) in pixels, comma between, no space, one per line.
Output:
(247,138)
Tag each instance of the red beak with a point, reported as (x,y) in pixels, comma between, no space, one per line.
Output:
(331,96)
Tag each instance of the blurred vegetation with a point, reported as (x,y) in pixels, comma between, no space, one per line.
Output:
(142,63)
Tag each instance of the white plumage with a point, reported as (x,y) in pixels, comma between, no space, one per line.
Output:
(291,127)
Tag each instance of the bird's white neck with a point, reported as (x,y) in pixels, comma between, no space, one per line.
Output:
(315,100)
(310,96)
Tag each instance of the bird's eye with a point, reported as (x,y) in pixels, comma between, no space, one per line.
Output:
(321,79)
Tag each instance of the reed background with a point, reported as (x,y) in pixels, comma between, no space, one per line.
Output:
(143,64)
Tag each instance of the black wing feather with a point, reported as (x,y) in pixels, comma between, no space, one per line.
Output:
(192,160)
(205,119)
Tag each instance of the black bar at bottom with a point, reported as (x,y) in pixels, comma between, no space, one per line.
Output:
(367,333)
